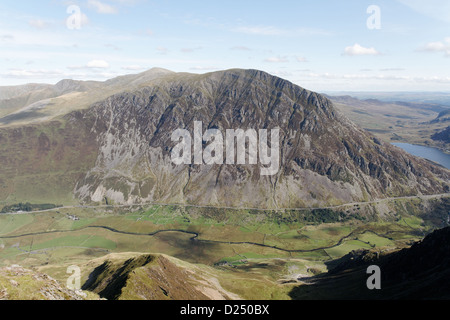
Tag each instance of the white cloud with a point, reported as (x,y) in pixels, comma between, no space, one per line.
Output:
(392,69)
(162,50)
(112,46)
(241,48)
(93,64)
(281,73)
(37,23)
(400,79)
(98,64)
(84,19)
(189,50)
(358,50)
(260,30)
(128,2)
(32,73)
(203,68)
(277,59)
(101,7)
(133,67)
(301,59)
(439,46)
(55,75)
(6,37)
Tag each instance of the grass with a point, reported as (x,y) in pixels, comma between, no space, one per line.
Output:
(255,270)
(84,241)
(294,236)
(43,148)
(251,286)
(345,248)
(375,240)
(10,223)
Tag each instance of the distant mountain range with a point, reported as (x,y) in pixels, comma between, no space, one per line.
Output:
(410,121)
(426,97)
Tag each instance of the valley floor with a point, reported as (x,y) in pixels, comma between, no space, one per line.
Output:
(247,254)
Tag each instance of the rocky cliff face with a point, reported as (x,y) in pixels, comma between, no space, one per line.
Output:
(324,158)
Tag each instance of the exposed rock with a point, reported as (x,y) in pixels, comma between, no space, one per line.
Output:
(18,283)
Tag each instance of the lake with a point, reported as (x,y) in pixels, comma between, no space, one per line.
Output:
(429,153)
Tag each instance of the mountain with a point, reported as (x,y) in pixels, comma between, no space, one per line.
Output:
(419,272)
(118,148)
(324,158)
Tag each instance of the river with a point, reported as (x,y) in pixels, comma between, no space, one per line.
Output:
(429,153)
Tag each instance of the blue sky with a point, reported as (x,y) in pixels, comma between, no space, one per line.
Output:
(323,45)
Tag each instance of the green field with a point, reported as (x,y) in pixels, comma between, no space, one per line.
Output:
(243,245)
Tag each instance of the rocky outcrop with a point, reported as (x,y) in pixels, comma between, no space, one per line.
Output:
(18,283)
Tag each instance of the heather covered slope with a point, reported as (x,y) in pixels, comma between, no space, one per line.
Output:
(130,276)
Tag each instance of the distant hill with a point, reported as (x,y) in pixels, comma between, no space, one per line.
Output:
(432,98)
(411,122)
(443,116)
(33,103)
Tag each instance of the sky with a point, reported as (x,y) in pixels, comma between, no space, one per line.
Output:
(322,45)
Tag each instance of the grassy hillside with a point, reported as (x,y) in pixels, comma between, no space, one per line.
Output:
(41,163)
